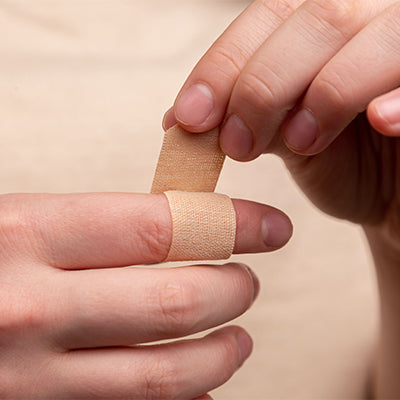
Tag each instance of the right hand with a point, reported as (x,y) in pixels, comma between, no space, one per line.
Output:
(294,77)
(70,313)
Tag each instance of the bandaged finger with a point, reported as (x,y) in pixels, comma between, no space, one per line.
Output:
(203,226)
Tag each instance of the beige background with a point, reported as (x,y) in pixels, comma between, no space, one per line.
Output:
(83,87)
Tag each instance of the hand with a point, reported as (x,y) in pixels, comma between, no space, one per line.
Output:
(295,77)
(316,82)
(70,312)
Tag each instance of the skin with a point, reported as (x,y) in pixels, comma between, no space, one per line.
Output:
(316,83)
(73,316)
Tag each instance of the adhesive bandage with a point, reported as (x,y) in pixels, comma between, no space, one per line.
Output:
(188,162)
(203,222)
(203,226)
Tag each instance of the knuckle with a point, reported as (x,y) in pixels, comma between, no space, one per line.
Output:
(155,238)
(343,16)
(390,36)
(255,90)
(19,317)
(20,227)
(334,90)
(162,380)
(14,223)
(229,58)
(280,9)
(175,308)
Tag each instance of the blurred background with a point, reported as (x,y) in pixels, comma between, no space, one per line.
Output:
(83,88)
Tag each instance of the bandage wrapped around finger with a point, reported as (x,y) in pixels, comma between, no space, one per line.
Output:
(203,222)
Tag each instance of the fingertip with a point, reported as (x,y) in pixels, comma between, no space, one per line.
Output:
(243,340)
(169,119)
(194,107)
(204,397)
(245,343)
(276,229)
(383,114)
(300,132)
(254,278)
(256,283)
(236,139)
(375,119)
(260,228)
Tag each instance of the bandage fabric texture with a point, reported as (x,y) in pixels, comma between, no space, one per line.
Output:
(203,222)
(188,162)
(203,226)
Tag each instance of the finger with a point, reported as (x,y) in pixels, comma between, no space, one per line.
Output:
(384,113)
(121,307)
(111,230)
(202,101)
(281,70)
(260,226)
(180,370)
(204,397)
(169,119)
(365,68)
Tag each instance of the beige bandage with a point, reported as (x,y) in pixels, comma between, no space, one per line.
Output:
(203,226)
(188,162)
(203,223)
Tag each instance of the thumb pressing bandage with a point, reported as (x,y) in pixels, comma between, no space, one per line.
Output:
(203,222)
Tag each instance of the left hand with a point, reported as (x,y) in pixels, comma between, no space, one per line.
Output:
(75,323)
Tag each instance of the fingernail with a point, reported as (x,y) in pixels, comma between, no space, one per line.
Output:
(276,230)
(245,344)
(301,131)
(389,110)
(236,138)
(194,106)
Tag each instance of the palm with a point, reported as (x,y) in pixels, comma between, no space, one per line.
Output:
(355,178)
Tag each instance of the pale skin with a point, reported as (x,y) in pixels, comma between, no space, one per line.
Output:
(316,82)
(72,310)
(73,318)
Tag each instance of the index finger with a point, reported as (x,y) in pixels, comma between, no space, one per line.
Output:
(203,99)
(79,231)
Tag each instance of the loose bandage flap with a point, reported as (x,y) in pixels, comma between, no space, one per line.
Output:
(203,226)
(188,162)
